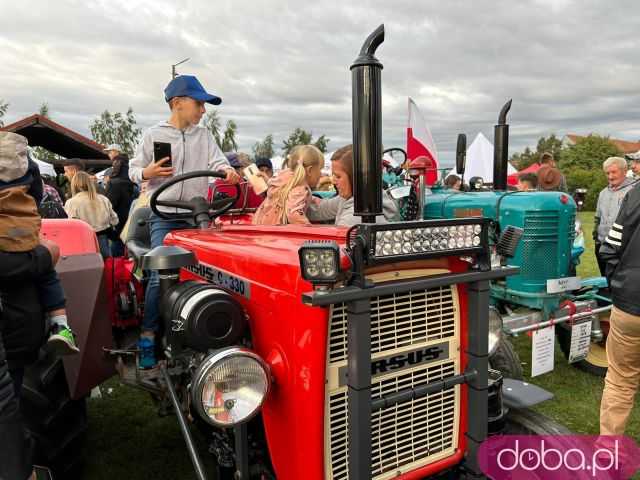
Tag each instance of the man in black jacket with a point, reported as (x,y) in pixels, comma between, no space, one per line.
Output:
(621,251)
(120,194)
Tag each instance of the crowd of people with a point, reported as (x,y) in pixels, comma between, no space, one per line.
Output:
(285,199)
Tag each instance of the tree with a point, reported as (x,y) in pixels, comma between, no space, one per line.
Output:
(302,137)
(3,110)
(552,144)
(116,128)
(44,110)
(42,153)
(265,148)
(582,166)
(229,140)
(589,153)
(212,123)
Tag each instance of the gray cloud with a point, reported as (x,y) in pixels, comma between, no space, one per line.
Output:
(569,66)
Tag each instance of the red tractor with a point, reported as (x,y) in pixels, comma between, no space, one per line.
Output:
(315,352)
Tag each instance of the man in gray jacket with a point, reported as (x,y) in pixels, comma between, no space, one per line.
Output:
(609,201)
(192,148)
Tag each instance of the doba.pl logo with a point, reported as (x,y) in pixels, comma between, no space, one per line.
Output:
(558,457)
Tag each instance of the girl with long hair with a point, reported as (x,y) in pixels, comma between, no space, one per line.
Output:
(93,208)
(289,193)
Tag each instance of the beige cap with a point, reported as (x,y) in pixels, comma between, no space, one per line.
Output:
(13,156)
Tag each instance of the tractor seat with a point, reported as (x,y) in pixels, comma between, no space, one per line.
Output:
(139,236)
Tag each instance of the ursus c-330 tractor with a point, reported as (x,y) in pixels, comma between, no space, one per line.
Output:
(319,352)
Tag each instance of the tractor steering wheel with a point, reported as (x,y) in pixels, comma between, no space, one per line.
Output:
(200,209)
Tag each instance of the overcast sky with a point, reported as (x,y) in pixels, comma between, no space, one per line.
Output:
(569,66)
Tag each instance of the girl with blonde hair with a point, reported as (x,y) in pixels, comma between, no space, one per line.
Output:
(93,208)
(289,193)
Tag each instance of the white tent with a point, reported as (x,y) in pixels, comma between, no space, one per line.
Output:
(44,167)
(277,162)
(480,160)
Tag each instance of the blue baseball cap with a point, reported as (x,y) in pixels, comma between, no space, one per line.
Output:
(189,86)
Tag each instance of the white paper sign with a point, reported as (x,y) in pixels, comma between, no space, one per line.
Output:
(542,350)
(557,285)
(580,341)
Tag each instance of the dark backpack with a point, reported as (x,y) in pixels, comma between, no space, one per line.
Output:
(50,209)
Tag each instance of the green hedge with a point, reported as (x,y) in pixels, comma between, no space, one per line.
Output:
(593,180)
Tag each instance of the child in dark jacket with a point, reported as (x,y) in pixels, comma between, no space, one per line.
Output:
(20,193)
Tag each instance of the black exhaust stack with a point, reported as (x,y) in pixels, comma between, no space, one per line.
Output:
(501,149)
(367,129)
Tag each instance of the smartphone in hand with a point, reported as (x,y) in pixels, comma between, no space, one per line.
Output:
(160,151)
(256,181)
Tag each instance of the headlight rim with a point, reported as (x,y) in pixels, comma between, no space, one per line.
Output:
(197,382)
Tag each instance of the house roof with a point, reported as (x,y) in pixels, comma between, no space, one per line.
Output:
(44,132)
(623,145)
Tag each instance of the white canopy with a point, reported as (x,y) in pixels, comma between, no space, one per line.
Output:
(45,167)
(480,160)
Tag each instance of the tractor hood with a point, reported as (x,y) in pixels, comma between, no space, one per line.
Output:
(266,255)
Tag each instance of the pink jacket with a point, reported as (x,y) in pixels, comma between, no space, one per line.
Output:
(298,200)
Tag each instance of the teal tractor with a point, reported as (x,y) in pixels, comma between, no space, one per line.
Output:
(546,291)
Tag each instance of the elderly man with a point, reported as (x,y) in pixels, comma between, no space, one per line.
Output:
(621,251)
(609,201)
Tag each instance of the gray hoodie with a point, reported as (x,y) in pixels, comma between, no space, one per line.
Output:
(191,149)
(609,201)
(341,211)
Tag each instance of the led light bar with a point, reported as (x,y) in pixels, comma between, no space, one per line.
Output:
(423,239)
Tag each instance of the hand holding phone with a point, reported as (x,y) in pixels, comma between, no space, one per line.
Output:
(161,151)
(257,182)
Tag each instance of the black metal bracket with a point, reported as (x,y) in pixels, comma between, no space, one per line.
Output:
(242,451)
(186,433)
(422,390)
(351,293)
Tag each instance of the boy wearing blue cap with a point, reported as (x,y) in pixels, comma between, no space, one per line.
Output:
(192,148)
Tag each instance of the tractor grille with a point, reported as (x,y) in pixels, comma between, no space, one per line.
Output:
(399,320)
(540,246)
(411,434)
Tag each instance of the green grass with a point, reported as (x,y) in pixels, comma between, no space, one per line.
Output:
(128,440)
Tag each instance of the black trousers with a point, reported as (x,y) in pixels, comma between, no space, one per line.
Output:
(602,265)
(16,452)
(21,335)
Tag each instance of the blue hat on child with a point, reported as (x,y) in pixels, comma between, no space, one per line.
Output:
(189,86)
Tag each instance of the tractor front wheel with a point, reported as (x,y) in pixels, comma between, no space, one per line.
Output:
(57,423)
(506,360)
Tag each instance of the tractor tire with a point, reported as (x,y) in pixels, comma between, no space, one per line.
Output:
(55,422)
(529,422)
(506,360)
(596,361)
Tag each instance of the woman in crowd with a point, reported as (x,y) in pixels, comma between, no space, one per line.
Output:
(289,193)
(340,208)
(120,194)
(95,209)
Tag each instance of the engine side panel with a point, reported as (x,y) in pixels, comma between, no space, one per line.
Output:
(290,336)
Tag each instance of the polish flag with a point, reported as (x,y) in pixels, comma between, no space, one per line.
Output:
(420,142)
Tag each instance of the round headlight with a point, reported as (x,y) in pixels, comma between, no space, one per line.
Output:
(495,329)
(229,386)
